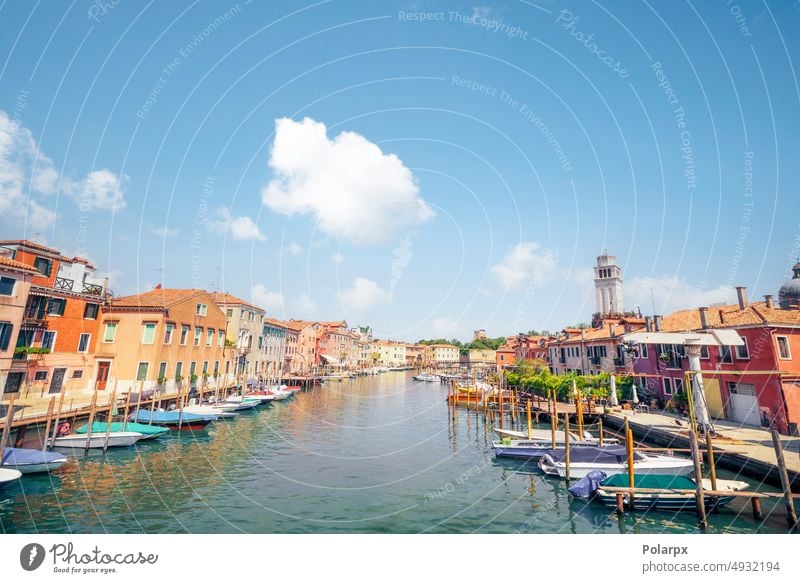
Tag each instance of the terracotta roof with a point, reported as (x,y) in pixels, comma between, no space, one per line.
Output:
(226,299)
(297,325)
(30,245)
(156,298)
(443,346)
(730,316)
(11,264)
(274,322)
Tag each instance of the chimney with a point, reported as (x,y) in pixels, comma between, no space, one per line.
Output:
(611,330)
(704,318)
(657,321)
(768,300)
(648,324)
(741,293)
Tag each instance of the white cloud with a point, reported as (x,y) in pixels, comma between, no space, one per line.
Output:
(269,300)
(241,228)
(352,189)
(165,232)
(337,258)
(672,293)
(27,176)
(304,306)
(363,295)
(292,249)
(525,263)
(443,327)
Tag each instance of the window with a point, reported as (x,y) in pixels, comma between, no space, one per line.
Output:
(205,367)
(227,366)
(13,382)
(725,354)
(230,313)
(40,375)
(162,370)
(110,332)
(209,337)
(783,347)
(49,339)
(7,286)
(90,311)
(44,266)
(677,385)
(667,385)
(216,367)
(198,331)
(55,306)
(192,368)
(83,342)
(148,332)
(168,329)
(141,371)
(178,369)
(742,351)
(704,352)
(220,338)
(77,374)
(201,309)
(184,334)
(5,334)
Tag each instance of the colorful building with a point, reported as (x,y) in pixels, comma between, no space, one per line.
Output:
(15,283)
(245,329)
(444,354)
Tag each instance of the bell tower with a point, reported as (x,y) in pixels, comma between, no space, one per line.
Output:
(608,285)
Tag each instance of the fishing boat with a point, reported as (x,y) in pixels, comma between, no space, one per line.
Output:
(677,492)
(31,461)
(427,378)
(209,411)
(8,476)
(547,435)
(172,419)
(97,441)
(147,431)
(610,460)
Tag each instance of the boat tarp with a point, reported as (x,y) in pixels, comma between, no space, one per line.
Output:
(612,454)
(23,456)
(586,486)
(100,427)
(655,481)
(166,416)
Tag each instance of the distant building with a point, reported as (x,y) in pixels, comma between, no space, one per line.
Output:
(444,354)
(479,334)
(245,329)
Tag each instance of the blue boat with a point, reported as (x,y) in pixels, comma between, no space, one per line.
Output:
(171,419)
(30,461)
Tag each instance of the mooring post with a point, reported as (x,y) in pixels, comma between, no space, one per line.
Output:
(786,486)
(698,479)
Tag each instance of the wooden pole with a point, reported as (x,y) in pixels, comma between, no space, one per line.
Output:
(698,478)
(152,403)
(756,504)
(110,418)
(127,405)
(566,443)
(600,431)
(7,426)
(631,476)
(791,515)
(530,427)
(500,396)
(553,419)
(180,408)
(50,408)
(620,504)
(92,408)
(578,408)
(58,419)
(713,468)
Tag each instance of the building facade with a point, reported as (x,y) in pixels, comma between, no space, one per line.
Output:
(245,329)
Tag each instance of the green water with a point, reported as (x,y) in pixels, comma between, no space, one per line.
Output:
(375,454)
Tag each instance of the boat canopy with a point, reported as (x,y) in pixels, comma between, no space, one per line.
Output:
(15,456)
(655,481)
(331,359)
(612,454)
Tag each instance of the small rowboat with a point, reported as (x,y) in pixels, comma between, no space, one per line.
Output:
(97,441)
(610,460)
(8,476)
(30,461)
(147,431)
(209,411)
(674,493)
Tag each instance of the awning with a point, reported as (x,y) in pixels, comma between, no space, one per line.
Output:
(331,360)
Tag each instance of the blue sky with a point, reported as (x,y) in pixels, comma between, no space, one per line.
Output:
(429,168)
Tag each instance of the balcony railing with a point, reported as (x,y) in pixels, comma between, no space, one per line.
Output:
(63,284)
(93,289)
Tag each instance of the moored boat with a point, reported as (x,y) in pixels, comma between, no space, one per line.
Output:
(147,431)
(9,476)
(30,461)
(96,441)
(427,378)
(209,410)
(547,435)
(172,419)
(533,449)
(610,460)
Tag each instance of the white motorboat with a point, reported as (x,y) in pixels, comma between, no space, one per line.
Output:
(610,460)
(97,440)
(546,435)
(237,404)
(208,410)
(427,378)
(262,397)
(8,476)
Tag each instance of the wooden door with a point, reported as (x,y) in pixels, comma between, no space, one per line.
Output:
(103,368)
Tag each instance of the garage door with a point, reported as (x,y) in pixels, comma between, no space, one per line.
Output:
(744,404)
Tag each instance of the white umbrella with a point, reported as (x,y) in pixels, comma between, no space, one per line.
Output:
(634,396)
(614,398)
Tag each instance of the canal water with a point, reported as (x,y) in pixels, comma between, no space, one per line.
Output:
(373,454)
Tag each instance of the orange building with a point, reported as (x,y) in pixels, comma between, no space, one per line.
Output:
(162,339)
(15,283)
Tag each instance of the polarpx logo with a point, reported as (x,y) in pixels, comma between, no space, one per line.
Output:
(32,556)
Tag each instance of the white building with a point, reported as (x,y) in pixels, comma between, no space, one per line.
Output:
(608,285)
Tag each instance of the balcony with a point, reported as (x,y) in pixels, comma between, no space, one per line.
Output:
(92,289)
(63,284)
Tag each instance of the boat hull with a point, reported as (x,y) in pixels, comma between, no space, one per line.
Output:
(9,476)
(676,467)
(665,502)
(118,439)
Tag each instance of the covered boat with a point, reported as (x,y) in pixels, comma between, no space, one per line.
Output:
(547,435)
(611,460)
(535,449)
(147,431)
(97,441)
(30,461)
(172,419)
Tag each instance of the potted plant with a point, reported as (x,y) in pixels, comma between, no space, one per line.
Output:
(193,379)
(161,380)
